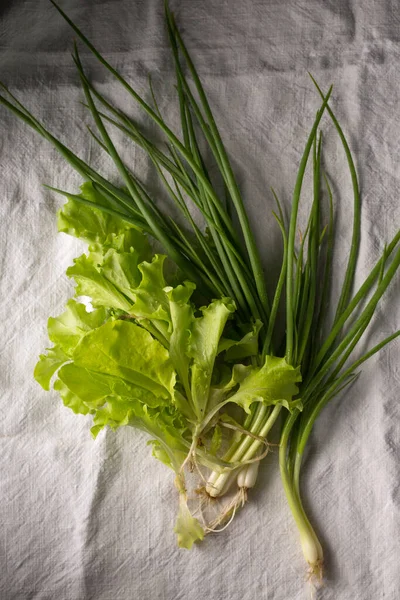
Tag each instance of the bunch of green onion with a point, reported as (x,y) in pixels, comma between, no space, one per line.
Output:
(228,353)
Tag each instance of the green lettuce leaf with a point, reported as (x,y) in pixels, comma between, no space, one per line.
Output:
(125,350)
(206,332)
(109,273)
(91,282)
(48,364)
(182,318)
(128,240)
(273,383)
(169,432)
(187,528)
(68,329)
(87,223)
(70,399)
(244,347)
(122,376)
(94,388)
(220,392)
(151,301)
(121,269)
(115,403)
(65,332)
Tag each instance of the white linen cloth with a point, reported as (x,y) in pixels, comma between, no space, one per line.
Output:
(83,519)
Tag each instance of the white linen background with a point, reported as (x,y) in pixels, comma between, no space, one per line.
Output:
(83,519)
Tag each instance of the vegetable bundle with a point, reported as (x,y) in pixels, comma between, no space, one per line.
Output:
(184,344)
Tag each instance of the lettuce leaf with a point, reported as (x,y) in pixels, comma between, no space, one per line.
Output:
(244,347)
(205,334)
(187,528)
(65,332)
(123,376)
(48,364)
(273,383)
(182,317)
(151,301)
(89,224)
(68,329)
(125,350)
(90,281)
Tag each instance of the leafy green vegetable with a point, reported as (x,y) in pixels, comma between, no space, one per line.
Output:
(65,332)
(125,350)
(88,222)
(187,528)
(206,332)
(68,329)
(182,316)
(244,347)
(48,365)
(273,383)
(90,281)
(112,365)
(151,301)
